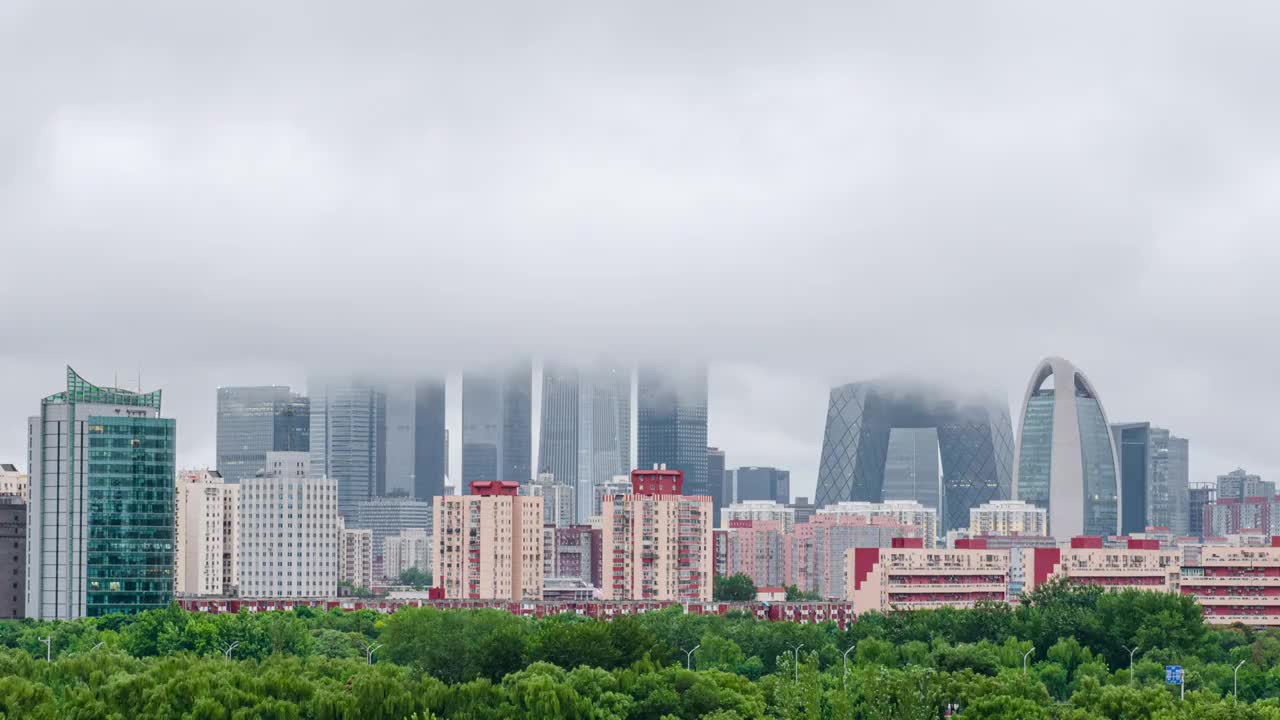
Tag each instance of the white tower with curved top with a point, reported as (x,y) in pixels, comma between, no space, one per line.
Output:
(1065,460)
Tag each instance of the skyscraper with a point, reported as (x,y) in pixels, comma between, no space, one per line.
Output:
(256,420)
(497,433)
(911,466)
(975,442)
(762,483)
(415,437)
(671,419)
(1154,473)
(586,427)
(348,427)
(101,533)
(1198,497)
(715,479)
(1065,460)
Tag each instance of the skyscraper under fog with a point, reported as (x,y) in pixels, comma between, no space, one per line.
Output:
(415,438)
(497,433)
(348,427)
(671,419)
(586,427)
(256,420)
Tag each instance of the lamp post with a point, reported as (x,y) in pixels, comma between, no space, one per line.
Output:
(48,648)
(688,656)
(226,651)
(1131,652)
(796,649)
(846,666)
(95,647)
(1026,655)
(1235,682)
(370,650)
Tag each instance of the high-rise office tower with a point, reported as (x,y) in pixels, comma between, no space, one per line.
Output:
(1154,472)
(1198,497)
(415,439)
(586,427)
(101,533)
(671,420)
(1065,460)
(715,479)
(762,483)
(253,421)
(497,432)
(1238,485)
(348,424)
(911,466)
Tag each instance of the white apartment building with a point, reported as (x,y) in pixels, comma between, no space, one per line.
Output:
(759,511)
(410,549)
(907,512)
(207,534)
(355,556)
(1008,517)
(13,481)
(288,531)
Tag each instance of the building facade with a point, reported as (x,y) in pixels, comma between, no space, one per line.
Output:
(671,423)
(975,444)
(762,483)
(388,516)
(488,545)
(1238,485)
(906,512)
(617,487)
(1198,497)
(586,427)
(256,420)
(572,552)
(207,532)
(757,548)
(1065,459)
(289,531)
(814,558)
(911,466)
(410,549)
(13,482)
(759,511)
(1154,475)
(13,557)
(1009,517)
(559,506)
(497,433)
(415,438)
(348,431)
(1234,584)
(656,541)
(721,492)
(908,576)
(101,513)
(355,556)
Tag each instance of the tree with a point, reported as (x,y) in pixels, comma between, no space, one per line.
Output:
(734,588)
(415,578)
(795,594)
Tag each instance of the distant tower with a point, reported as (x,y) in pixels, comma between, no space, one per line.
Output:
(586,427)
(497,433)
(253,421)
(671,420)
(348,431)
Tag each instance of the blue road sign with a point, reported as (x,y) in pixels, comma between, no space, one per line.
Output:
(1173,674)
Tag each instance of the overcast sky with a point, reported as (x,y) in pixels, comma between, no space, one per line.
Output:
(244,192)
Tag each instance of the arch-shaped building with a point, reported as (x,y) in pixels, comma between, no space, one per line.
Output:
(1065,460)
(974,441)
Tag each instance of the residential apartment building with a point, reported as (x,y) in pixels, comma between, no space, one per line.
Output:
(757,548)
(410,549)
(1141,565)
(814,551)
(758,511)
(1008,517)
(559,506)
(1234,583)
(355,556)
(13,557)
(388,516)
(572,552)
(288,531)
(657,542)
(13,481)
(908,576)
(207,534)
(488,545)
(907,512)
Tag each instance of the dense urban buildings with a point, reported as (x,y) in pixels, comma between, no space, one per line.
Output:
(559,504)
(1009,517)
(289,527)
(355,556)
(911,466)
(975,443)
(719,486)
(1065,459)
(415,438)
(815,550)
(1154,475)
(586,426)
(572,552)
(671,423)
(908,576)
(803,508)
(387,516)
(13,481)
(1235,584)
(410,549)
(1198,496)
(908,513)
(101,533)
(13,556)
(348,445)
(488,545)
(497,435)
(256,420)
(1238,485)
(656,541)
(207,533)
(757,548)
(761,483)
(616,487)
(758,510)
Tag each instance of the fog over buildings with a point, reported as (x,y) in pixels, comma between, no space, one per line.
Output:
(799,199)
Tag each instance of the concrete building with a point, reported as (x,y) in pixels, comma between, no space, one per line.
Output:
(488,545)
(1238,485)
(657,541)
(253,421)
(348,438)
(388,516)
(559,506)
(13,556)
(13,482)
(410,549)
(757,548)
(671,423)
(911,466)
(814,552)
(289,531)
(721,492)
(572,552)
(1235,516)
(1065,460)
(757,511)
(1234,583)
(907,576)
(1154,473)
(497,431)
(123,500)
(207,533)
(1199,496)
(762,483)
(903,511)
(586,427)
(804,509)
(617,487)
(1008,517)
(975,444)
(414,438)
(355,556)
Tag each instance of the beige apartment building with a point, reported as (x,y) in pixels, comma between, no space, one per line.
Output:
(488,545)
(355,556)
(1008,517)
(206,534)
(655,542)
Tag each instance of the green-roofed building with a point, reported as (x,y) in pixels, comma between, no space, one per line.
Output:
(101,536)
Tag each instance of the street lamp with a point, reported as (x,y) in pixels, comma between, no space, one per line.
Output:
(226,651)
(688,656)
(370,650)
(1131,652)
(95,647)
(846,666)
(1026,655)
(796,648)
(1235,682)
(48,648)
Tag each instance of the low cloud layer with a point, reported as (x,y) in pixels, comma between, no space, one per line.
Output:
(799,196)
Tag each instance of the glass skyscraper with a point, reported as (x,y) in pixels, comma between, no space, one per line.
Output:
(102,503)
(1154,476)
(497,431)
(671,423)
(415,439)
(586,427)
(1065,458)
(348,430)
(253,421)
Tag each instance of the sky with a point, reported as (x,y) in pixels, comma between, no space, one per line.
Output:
(249,193)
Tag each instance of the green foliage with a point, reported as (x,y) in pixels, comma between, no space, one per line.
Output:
(734,588)
(417,578)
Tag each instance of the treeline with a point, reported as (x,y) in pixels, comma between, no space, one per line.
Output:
(486,665)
